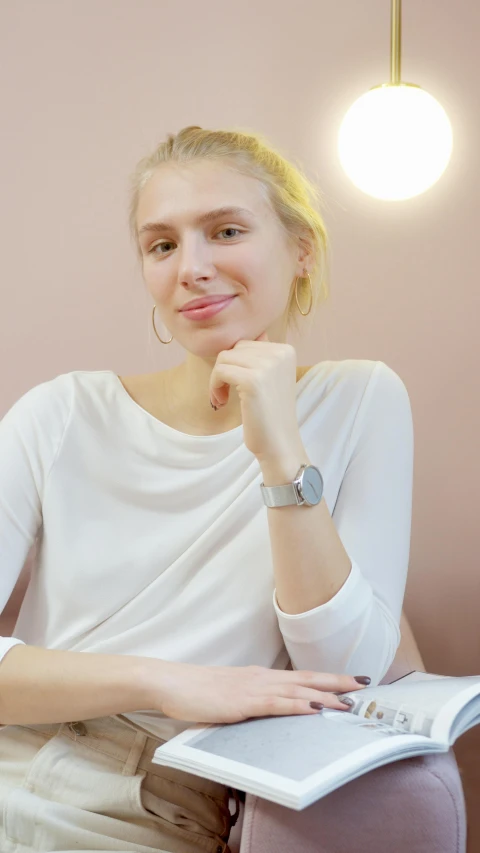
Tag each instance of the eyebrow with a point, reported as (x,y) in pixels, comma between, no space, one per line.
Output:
(205,217)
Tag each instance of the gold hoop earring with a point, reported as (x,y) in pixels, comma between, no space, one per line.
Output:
(154,329)
(304,313)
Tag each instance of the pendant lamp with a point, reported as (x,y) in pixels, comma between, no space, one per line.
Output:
(395,141)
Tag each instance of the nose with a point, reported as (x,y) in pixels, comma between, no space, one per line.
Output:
(195,261)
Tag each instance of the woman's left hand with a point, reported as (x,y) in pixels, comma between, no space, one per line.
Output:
(265,376)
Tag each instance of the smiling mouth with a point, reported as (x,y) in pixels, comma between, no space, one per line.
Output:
(207,311)
(204,304)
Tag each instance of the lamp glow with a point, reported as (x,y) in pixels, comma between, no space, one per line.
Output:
(395,141)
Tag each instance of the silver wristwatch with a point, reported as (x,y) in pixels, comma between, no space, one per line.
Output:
(306,489)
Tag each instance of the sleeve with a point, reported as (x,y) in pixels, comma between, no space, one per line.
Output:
(357,631)
(30,436)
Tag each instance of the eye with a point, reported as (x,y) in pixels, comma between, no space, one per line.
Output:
(237,230)
(157,245)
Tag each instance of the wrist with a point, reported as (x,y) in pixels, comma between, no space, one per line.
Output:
(281,470)
(150,682)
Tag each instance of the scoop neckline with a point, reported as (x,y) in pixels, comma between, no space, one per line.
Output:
(169,430)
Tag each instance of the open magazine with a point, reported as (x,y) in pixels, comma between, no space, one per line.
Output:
(296,760)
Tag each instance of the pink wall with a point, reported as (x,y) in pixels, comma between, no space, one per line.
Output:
(88,87)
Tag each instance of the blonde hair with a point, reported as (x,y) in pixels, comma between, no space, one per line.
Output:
(293,197)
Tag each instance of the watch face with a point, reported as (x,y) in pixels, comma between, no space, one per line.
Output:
(312,485)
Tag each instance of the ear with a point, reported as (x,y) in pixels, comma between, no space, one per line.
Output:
(305,255)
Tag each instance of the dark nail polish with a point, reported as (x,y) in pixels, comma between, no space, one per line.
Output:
(362,679)
(317,705)
(347,701)
(213,407)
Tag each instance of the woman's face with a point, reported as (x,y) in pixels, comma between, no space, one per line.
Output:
(244,253)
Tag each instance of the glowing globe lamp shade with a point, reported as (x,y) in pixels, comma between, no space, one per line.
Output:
(395,141)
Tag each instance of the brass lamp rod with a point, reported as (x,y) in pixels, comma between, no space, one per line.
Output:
(396,43)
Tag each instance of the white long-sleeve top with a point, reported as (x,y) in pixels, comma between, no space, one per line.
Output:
(154,542)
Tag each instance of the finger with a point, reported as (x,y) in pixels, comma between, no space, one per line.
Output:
(278,706)
(328,700)
(323,680)
(220,394)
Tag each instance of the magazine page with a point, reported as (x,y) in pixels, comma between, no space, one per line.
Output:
(420,703)
(467,718)
(291,760)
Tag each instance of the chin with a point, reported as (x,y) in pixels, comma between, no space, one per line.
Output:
(210,341)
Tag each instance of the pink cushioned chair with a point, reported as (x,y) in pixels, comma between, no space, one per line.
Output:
(415,805)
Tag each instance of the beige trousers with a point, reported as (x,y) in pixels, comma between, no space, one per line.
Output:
(92,786)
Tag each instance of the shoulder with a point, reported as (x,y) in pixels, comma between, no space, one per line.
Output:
(358,386)
(374,379)
(379,402)
(41,398)
(33,427)
(52,400)
(355,373)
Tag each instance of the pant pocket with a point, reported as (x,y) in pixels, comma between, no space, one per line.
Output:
(179,805)
(20,747)
(21,751)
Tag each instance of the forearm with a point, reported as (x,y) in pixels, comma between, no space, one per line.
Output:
(49,686)
(309,560)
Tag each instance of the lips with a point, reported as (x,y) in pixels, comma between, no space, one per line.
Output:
(206,300)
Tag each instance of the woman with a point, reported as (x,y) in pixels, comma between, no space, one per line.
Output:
(167,553)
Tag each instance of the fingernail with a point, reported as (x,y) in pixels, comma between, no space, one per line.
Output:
(348,701)
(362,679)
(317,705)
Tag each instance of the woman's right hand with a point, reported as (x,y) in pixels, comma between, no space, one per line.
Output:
(229,694)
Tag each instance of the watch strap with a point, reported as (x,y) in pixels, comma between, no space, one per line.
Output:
(281,495)
(285,495)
